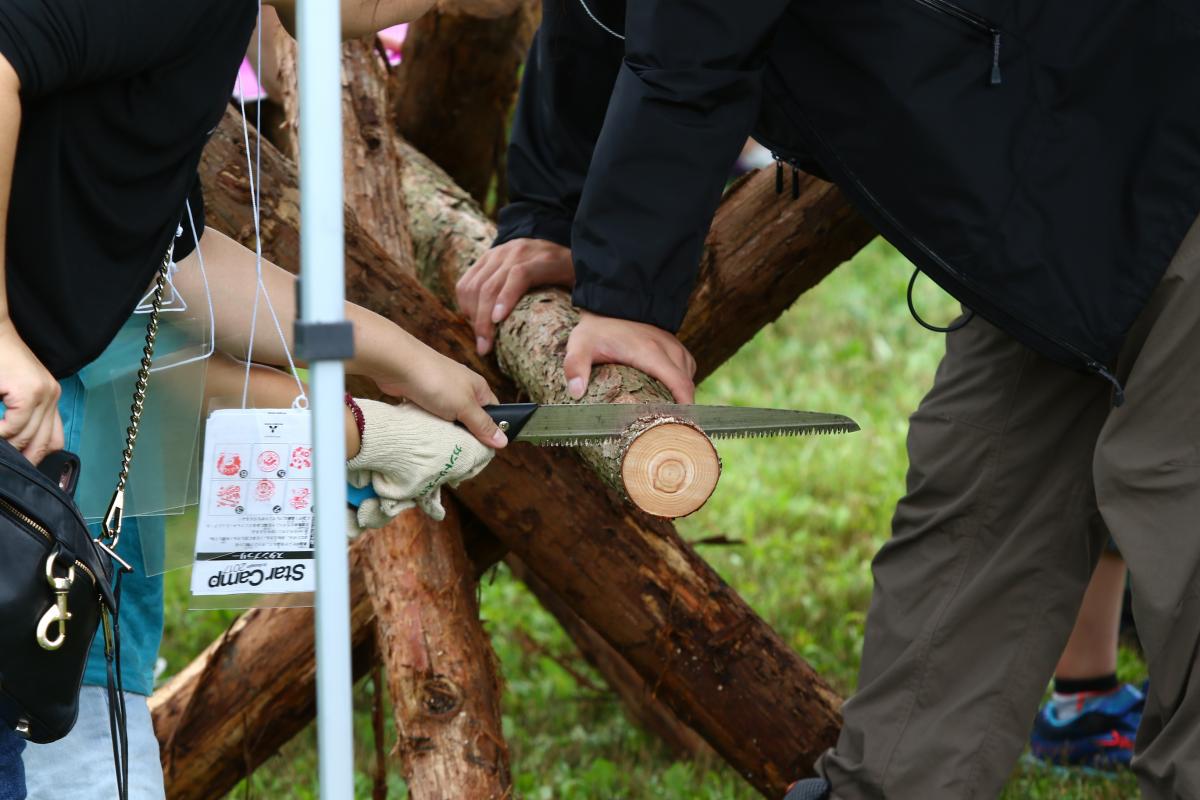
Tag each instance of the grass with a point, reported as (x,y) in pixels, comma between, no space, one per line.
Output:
(807,514)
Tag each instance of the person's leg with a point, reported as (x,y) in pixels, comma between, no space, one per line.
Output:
(80,766)
(1091,652)
(977,591)
(1147,471)
(1091,719)
(12,769)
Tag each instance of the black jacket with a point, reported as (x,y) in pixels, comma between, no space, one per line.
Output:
(1039,160)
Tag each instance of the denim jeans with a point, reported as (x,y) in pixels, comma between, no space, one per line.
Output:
(80,766)
(12,770)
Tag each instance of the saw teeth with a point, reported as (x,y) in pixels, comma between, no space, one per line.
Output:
(772,432)
(763,433)
(579,442)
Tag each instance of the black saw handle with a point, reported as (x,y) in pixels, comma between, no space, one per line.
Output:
(511,417)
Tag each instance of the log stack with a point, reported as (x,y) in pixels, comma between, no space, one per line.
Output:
(630,581)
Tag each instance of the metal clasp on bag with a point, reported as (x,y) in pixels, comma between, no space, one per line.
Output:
(111,529)
(57,613)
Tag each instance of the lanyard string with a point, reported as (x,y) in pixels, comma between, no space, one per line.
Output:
(212,327)
(254,171)
(596,20)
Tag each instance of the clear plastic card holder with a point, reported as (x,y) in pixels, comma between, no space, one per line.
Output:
(162,477)
(251,542)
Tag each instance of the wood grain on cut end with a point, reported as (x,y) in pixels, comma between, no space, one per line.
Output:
(669,468)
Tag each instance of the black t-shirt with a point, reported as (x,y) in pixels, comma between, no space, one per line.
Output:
(118,98)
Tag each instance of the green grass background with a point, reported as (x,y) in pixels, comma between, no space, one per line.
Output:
(807,515)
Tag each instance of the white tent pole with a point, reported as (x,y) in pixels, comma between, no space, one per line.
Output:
(323,339)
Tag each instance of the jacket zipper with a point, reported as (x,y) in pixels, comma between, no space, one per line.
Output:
(971,20)
(39,529)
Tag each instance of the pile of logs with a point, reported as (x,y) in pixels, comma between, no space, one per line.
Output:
(690,658)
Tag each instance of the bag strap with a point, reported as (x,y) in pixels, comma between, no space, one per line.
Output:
(111,527)
(111,534)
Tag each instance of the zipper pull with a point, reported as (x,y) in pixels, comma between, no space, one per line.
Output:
(778,174)
(1118,398)
(996,81)
(795,184)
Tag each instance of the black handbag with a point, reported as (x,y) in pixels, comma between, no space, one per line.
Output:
(58,585)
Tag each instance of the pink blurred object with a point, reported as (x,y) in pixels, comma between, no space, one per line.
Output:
(391,39)
(246,88)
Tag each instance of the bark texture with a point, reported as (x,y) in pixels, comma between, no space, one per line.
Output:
(371,152)
(632,578)
(441,671)
(458,82)
(763,251)
(254,688)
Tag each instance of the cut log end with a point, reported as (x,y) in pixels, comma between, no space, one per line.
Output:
(669,467)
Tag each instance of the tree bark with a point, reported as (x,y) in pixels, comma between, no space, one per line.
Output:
(763,251)
(457,83)
(641,705)
(371,156)
(442,673)
(711,659)
(254,688)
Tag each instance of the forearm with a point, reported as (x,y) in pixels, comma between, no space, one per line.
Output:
(381,347)
(565,87)
(361,17)
(269,388)
(10,128)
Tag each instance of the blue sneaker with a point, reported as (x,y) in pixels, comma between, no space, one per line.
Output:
(808,789)
(1094,731)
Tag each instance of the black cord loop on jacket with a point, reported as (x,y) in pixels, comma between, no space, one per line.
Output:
(912,309)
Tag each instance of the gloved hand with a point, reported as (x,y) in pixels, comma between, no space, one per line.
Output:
(406,455)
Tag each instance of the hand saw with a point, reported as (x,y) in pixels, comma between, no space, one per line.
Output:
(574,425)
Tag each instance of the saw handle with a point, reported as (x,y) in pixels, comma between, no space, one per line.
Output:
(511,417)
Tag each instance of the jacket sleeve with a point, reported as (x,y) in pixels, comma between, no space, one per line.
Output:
(568,78)
(684,102)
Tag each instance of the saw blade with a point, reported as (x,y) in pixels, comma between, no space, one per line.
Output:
(592,424)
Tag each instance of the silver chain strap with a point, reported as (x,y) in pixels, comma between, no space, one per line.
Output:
(113,518)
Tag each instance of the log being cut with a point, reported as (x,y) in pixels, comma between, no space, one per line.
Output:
(711,659)
(669,467)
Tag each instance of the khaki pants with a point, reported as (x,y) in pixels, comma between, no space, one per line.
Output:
(1019,469)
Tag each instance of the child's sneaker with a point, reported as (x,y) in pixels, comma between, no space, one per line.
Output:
(808,789)
(1089,729)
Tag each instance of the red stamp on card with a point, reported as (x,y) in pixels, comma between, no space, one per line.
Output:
(301,457)
(229,496)
(264,490)
(268,461)
(300,499)
(229,464)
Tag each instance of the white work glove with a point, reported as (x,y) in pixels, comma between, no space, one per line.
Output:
(406,456)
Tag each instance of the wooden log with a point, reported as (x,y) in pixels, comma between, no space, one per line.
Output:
(441,671)
(254,688)
(457,83)
(638,698)
(371,155)
(669,467)
(631,577)
(762,253)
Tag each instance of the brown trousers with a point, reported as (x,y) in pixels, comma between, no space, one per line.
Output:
(1019,469)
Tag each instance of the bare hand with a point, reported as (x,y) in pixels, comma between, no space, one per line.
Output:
(30,394)
(446,389)
(607,340)
(502,275)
